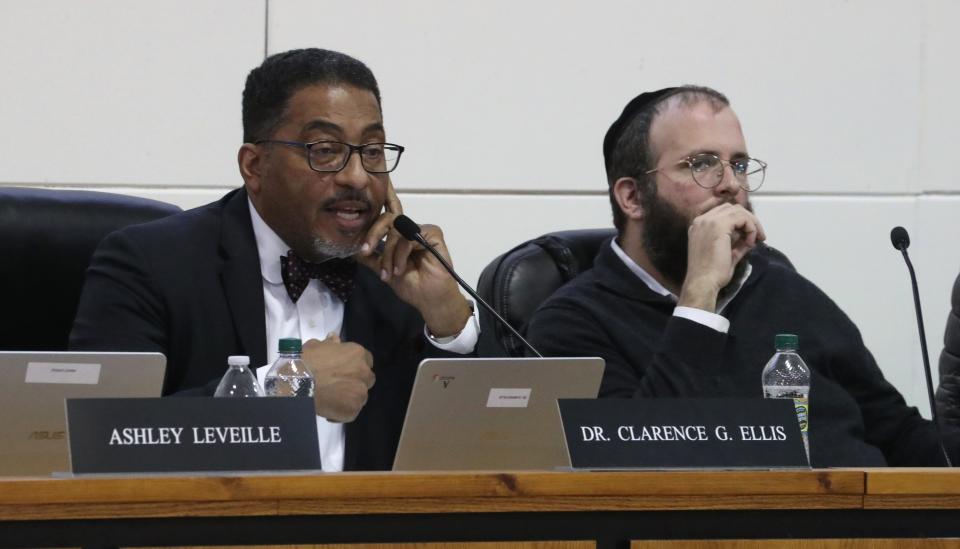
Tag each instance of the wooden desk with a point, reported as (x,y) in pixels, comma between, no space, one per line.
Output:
(609,507)
(912,489)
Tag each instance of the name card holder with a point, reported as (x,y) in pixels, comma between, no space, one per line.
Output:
(165,435)
(663,433)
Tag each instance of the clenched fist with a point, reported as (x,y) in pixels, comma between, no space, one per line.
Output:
(342,374)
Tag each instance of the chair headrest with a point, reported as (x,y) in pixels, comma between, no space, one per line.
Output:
(48,238)
(517,282)
(951,334)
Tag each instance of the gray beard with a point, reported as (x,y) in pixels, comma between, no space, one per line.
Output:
(323,250)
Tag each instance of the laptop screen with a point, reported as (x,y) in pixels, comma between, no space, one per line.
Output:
(33,387)
(492,414)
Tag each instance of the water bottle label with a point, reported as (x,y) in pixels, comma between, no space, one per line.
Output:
(803,408)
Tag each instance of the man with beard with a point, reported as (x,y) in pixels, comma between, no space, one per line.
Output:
(683,303)
(279,258)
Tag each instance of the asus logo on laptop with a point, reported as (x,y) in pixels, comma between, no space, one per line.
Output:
(47,435)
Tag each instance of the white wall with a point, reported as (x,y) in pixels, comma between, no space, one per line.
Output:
(503,105)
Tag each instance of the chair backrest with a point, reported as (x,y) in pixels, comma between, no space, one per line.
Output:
(948,391)
(517,282)
(48,237)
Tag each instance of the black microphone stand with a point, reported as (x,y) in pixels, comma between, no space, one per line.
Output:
(900,241)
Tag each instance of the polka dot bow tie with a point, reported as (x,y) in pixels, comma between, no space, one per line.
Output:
(337,274)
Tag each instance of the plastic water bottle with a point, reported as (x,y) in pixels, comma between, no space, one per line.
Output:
(787,376)
(288,375)
(239,381)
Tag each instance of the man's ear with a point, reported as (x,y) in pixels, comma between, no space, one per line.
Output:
(250,159)
(628,197)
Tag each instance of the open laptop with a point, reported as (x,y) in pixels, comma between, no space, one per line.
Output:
(33,386)
(492,413)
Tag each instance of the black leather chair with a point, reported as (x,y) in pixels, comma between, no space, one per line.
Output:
(48,237)
(948,392)
(517,282)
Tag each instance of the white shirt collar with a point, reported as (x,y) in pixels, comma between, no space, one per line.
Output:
(269,245)
(651,282)
(658,288)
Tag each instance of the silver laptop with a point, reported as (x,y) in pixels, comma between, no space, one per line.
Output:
(33,386)
(492,413)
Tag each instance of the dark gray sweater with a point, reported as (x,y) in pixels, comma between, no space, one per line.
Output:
(856,417)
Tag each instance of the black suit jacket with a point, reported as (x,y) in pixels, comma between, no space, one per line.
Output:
(189,286)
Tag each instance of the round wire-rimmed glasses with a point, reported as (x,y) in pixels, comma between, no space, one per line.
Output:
(707,170)
(332,156)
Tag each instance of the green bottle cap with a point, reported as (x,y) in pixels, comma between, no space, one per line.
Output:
(290,345)
(785,342)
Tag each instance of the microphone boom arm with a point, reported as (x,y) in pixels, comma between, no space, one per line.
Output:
(419,238)
(901,240)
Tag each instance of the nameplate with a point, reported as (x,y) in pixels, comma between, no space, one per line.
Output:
(662,433)
(163,435)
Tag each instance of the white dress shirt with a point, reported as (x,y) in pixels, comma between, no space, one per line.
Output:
(316,314)
(711,320)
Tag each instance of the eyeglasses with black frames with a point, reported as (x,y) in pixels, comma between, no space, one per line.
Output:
(707,170)
(332,156)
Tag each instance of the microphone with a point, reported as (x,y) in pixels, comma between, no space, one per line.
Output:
(901,241)
(411,231)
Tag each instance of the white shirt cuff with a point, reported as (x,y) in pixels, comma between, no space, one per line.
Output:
(708,319)
(462,343)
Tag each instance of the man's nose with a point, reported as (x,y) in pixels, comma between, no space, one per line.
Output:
(353,174)
(728,181)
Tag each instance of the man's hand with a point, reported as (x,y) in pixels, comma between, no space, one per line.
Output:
(383,227)
(718,240)
(414,274)
(342,375)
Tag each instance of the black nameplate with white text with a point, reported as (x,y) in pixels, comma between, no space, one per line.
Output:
(162,435)
(666,433)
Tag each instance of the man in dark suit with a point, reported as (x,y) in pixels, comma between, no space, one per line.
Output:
(279,258)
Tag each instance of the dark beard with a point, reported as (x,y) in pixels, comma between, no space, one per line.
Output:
(665,240)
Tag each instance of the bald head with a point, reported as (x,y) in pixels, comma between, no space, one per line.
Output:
(687,126)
